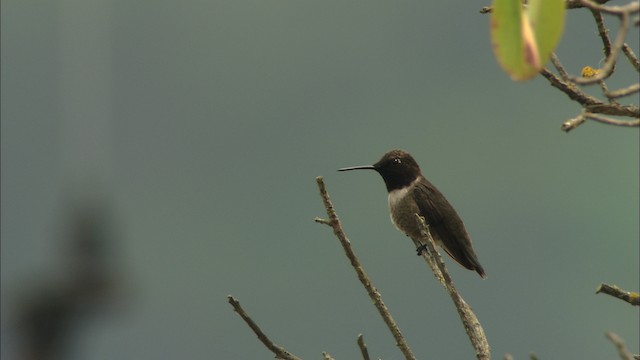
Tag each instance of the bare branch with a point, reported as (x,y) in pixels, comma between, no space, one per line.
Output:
(605,90)
(558,65)
(622,349)
(585,115)
(610,121)
(610,50)
(633,59)
(631,89)
(603,32)
(363,347)
(573,123)
(471,323)
(576,4)
(569,88)
(375,296)
(590,103)
(279,351)
(613,109)
(570,85)
(570,4)
(631,297)
(630,8)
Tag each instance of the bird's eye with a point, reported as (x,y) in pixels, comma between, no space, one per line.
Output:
(397,161)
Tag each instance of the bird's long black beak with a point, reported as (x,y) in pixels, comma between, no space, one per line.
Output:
(365,167)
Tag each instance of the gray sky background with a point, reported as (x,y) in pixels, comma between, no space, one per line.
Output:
(206,122)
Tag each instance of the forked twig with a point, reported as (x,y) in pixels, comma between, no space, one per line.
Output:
(374,294)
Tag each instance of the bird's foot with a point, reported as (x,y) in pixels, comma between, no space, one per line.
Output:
(422,248)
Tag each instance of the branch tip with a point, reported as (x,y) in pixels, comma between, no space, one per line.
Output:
(623,352)
(320,220)
(363,348)
(279,351)
(631,297)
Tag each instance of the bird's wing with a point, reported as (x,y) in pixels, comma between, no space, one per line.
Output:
(445,224)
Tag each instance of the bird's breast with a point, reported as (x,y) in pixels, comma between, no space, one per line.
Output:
(402,208)
(396,197)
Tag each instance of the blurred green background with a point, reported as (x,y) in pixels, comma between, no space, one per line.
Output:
(201,125)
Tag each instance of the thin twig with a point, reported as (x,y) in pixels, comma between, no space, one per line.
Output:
(610,121)
(320,220)
(603,32)
(279,351)
(586,115)
(605,90)
(375,296)
(363,348)
(630,8)
(631,89)
(631,297)
(633,59)
(472,325)
(558,65)
(619,344)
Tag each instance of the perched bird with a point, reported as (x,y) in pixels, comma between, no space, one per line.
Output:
(411,193)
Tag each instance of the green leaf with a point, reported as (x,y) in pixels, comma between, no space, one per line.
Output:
(522,40)
(547,20)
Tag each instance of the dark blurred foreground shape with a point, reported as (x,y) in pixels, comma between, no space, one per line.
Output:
(54,307)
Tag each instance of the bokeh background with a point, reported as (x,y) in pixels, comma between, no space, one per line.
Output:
(160,155)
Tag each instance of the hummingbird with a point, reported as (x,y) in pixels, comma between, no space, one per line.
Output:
(411,193)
